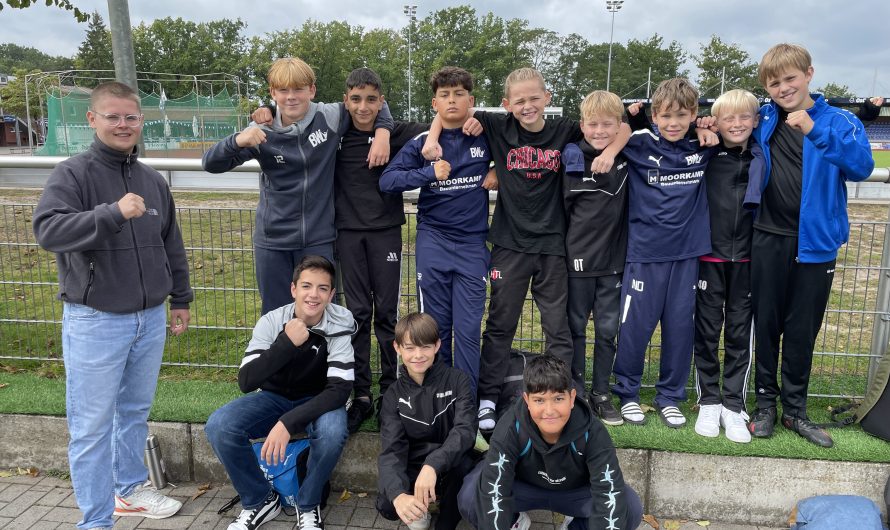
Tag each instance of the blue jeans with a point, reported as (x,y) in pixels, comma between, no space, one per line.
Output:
(111,370)
(232,426)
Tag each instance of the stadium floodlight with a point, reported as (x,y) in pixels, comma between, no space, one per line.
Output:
(410,12)
(612,6)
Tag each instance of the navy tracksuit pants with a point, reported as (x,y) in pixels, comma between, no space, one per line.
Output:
(451,288)
(653,292)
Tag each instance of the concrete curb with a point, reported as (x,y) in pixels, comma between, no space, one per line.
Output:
(743,490)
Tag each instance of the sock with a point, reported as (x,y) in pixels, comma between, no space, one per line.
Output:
(486,424)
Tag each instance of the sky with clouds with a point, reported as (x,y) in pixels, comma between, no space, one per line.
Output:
(848,41)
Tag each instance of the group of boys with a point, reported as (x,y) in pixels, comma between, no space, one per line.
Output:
(595,218)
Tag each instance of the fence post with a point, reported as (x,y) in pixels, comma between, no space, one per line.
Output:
(881,333)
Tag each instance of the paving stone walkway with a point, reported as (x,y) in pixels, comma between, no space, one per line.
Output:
(47,503)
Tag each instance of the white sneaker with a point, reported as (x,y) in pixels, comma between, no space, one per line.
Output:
(310,519)
(522,523)
(736,425)
(421,524)
(145,501)
(708,422)
(253,519)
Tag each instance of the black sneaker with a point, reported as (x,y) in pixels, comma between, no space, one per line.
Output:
(603,407)
(253,519)
(808,430)
(763,422)
(360,410)
(309,519)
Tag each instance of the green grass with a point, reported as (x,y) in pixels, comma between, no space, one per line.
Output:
(178,400)
(882,158)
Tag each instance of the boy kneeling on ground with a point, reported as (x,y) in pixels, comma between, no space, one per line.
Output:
(549,452)
(427,431)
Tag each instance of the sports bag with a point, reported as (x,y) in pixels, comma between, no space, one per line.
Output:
(836,512)
(873,413)
(512,387)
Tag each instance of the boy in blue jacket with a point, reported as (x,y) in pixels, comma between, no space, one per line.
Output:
(810,149)
(452,220)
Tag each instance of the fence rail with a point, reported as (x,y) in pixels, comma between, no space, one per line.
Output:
(220,252)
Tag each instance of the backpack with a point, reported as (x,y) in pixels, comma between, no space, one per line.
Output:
(285,476)
(512,387)
(873,413)
(836,512)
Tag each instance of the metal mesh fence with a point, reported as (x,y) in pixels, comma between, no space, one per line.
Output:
(220,253)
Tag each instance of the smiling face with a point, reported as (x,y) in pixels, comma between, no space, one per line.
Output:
(417,358)
(292,103)
(673,122)
(453,104)
(735,127)
(312,292)
(550,411)
(600,131)
(107,117)
(526,102)
(790,89)
(363,104)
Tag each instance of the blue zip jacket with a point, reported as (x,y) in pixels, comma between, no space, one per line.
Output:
(456,208)
(835,151)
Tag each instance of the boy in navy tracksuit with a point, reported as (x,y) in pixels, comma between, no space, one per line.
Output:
(549,452)
(668,232)
(724,276)
(295,214)
(452,221)
(427,430)
(596,244)
(810,150)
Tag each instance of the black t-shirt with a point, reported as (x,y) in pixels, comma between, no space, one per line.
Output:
(529,216)
(358,202)
(780,204)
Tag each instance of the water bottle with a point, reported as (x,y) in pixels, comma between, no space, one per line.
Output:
(157,473)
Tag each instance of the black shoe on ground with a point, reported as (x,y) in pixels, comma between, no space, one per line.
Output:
(763,422)
(808,430)
(253,519)
(360,410)
(603,407)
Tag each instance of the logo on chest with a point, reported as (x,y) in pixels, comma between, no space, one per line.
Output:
(318,137)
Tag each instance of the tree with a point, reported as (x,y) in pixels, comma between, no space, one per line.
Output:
(13,95)
(13,56)
(833,90)
(81,16)
(727,65)
(631,64)
(94,53)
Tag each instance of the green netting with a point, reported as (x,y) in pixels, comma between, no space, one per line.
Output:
(192,122)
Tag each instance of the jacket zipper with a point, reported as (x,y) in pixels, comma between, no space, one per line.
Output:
(125,176)
(735,234)
(86,291)
(305,186)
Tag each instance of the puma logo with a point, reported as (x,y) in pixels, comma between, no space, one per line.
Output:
(656,160)
(407,402)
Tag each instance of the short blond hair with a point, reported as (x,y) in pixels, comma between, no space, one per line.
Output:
(781,58)
(737,100)
(113,89)
(290,72)
(522,74)
(603,104)
(676,91)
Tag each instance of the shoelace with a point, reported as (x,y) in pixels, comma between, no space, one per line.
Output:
(309,518)
(149,494)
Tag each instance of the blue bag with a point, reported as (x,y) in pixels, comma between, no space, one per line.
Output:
(287,475)
(837,512)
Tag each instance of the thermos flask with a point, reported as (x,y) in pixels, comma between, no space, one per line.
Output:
(157,473)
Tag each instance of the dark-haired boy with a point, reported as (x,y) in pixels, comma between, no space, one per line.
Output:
(811,149)
(427,430)
(549,452)
(452,220)
(300,359)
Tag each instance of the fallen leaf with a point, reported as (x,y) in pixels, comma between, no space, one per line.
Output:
(345,495)
(671,524)
(703,523)
(4,385)
(651,521)
(362,495)
(202,489)
(29,471)
(646,408)
(5,474)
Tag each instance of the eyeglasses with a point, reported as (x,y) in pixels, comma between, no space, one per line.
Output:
(114,120)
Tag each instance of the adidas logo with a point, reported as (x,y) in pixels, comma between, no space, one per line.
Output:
(392,256)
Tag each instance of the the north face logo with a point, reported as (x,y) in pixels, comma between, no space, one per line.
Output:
(318,137)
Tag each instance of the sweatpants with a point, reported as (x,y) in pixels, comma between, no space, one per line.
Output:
(653,292)
(723,296)
(275,272)
(789,303)
(451,288)
(370,267)
(602,296)
(510,274)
